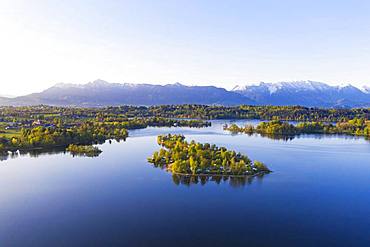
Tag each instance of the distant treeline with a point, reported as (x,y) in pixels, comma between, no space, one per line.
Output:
(296,113)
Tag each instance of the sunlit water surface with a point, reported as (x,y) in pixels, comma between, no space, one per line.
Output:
(317,195)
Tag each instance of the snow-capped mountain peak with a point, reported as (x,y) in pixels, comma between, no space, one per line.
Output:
(238,88)
(304,93)
(302,85)
(293,86)
(64,85)
(309,93)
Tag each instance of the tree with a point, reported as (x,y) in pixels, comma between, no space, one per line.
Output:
(193,164)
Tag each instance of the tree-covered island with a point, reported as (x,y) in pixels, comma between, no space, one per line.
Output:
(356,126)
(83,150)
(181,157)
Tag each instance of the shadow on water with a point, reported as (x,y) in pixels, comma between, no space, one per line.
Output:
(235,182)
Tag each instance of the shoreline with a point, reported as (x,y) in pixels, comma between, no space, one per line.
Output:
(217,175)
(33,149)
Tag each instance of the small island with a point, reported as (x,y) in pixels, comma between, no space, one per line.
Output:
(183,158)
(83,150)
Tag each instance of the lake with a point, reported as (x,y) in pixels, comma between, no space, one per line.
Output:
(317,195)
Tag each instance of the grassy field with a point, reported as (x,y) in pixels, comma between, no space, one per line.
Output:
(9,133)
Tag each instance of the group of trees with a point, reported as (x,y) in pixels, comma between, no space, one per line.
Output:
(48,126)
(143,122)
(356,126)
(296,113)
(46,137)
(84,132)
(181,157)
(85,150)
(133,117)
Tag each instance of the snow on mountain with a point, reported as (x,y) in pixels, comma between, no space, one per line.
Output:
(103,93)
(65,85)
(297,86)
(307,93)
(289,86)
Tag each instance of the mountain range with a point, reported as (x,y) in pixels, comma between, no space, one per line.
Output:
(102,93)
(306,93)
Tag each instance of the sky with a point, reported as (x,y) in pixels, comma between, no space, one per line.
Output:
(194,42)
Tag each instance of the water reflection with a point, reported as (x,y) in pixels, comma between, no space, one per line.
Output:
(51,151)
(316,185)
(287,138)
(278,137)
(39,152)
(32,153)
(233,181)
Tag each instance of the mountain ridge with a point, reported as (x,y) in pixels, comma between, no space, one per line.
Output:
(103,93)
(306,93)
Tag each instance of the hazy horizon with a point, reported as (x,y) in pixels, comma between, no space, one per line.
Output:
(195,43)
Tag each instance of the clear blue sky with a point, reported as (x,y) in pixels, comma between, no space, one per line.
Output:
(198,42)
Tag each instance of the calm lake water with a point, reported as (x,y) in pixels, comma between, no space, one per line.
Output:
(318,195)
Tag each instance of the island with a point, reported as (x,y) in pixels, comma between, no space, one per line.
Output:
(356,126)
(183,158)
(84,150)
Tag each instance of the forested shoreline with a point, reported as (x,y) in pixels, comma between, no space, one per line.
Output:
(35,127)
(205,112)
(49,132)
(355,127)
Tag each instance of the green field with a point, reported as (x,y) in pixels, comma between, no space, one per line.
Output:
(9,133)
